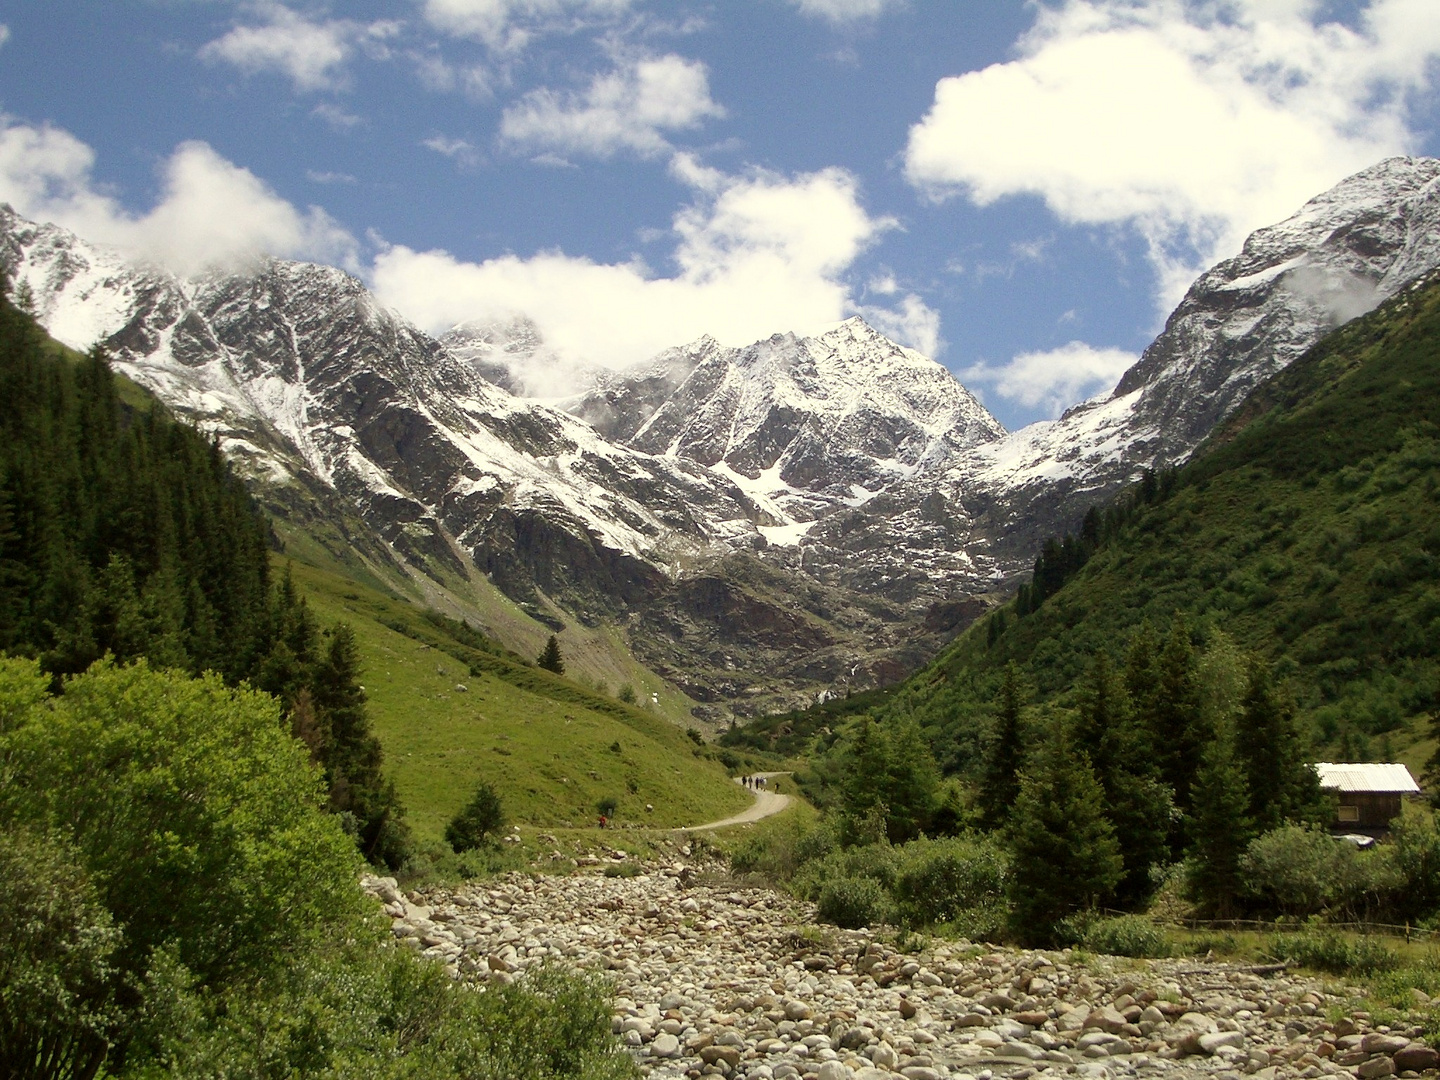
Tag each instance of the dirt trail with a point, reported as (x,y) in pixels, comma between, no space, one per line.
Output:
(766,804)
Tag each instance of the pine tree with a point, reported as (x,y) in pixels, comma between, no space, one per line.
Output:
(1136,801)
(1005,757)
(911,781)
(1176,728)
(1219,825)
(1064,855)
(864,810)
(550,659)
(1283,786)
(1431,776)
(1142,679)
(351,753)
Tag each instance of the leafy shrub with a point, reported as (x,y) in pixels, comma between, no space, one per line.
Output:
(60,992)
(1301,871)
(482,818)
(1413,859)
(1329,950)
(853,902)
(878,862)
(1127,935)
(191,809)
(939,880)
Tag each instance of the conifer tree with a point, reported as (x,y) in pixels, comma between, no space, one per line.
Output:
(1142,680)
(1283,786)
(911,781)
(1431,776)
(862,792)
(1005,757)
(482,817)
(1136,801)
(1219,824)
(550,659)
(1064,855)
(1177,731)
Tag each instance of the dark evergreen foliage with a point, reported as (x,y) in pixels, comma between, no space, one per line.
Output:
(1005,756)
(1136,801)
(123,532)
(1220,827)
(120,532)
(550,659)
(1064,855)
(1283,787)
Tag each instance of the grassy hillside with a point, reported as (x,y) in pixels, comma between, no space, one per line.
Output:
(1307,528)
(546,743)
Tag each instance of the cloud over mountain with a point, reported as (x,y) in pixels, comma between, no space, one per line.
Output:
(1192,123)
(210,211)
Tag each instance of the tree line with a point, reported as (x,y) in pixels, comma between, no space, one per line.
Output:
(125,534)
(1173,754)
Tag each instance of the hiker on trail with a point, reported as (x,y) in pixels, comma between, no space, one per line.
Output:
(603,821)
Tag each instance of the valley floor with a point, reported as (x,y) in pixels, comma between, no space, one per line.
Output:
(715,978)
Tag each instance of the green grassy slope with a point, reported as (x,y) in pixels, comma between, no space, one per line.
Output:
(1308,529)
(545,742)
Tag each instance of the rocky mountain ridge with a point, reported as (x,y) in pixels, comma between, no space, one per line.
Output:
(798,516)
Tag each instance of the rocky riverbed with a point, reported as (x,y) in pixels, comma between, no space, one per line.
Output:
(715,979)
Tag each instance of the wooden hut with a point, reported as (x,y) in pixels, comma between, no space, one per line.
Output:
(1369,794)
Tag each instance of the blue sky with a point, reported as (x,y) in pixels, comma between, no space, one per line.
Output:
(1021,189)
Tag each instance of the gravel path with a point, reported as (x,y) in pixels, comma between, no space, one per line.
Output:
(715,979)
(766,804)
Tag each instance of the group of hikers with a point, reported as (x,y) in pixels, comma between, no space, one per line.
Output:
(754,783)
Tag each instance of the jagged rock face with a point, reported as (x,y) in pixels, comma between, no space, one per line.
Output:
(797,516)
(1338,257)
(807,425)
(300,371)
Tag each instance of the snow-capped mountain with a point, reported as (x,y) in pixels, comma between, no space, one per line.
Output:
(764,523)
(299,371)
(805,426)
(1341,255)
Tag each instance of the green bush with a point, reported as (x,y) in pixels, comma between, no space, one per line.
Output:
(193,811)
(1301,871)
(178,905)
(877,862)
(1127,935)
(939,880)
(1329,950)
(383,1015)
(482,817)
(1413,860)
(60,991)
(853,902)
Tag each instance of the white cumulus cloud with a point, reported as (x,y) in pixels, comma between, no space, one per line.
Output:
(509,25)
(843,11)
(913,323)
(754,255)
(1192,121)
(626,109)
(1052,380)
(210,212)
(312,55)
